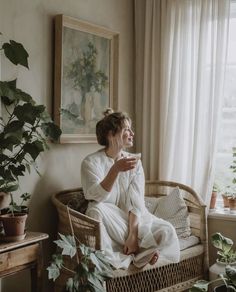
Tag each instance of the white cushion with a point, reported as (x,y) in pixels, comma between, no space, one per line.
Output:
(188,241)
(151,203)
(173,209)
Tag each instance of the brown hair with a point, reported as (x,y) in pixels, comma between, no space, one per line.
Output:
(112,121)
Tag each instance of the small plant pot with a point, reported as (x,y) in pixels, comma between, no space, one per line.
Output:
(213,200)
(225,200)
(222,288)
(232,204)
(14,225)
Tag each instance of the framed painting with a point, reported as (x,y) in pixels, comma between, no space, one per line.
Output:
(86,77)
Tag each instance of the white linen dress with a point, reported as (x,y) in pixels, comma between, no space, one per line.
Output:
(112,209)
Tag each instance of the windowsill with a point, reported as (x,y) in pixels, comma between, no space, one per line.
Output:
(225,214)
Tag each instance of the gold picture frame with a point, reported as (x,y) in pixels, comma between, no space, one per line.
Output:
(85,77)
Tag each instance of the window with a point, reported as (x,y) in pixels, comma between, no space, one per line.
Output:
(227,136)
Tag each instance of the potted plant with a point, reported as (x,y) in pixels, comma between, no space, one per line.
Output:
(225,248)
(91,268)
(223,269)
(25,128)
(232,198)
(227,280)
(225,195)
(214,195)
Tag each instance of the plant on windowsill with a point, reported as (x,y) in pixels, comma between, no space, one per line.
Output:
(225,195)
(214,194)
(232,197)
(91,268)
(223,269)
(24,130)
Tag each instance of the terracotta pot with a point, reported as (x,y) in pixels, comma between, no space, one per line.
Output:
(213,200)
(14,225)
(225,200)
(232,203)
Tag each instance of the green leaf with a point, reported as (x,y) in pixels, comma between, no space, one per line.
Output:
(26,113)
(85,250)
(9,142)
(68,245)
(51,130)
(96,283)
(25,196)
(200,285)
(11,187)
(34,148)
(16,53)
(3,157)
(17,170)
(103,261)
(53,272)
(14,126)
(221,242)
(57,260)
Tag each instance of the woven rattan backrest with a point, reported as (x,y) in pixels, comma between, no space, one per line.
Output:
(86,229)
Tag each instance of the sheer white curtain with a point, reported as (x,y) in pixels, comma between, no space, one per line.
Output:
(180,48)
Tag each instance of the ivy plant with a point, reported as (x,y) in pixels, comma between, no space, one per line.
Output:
(90,271)
(25,128)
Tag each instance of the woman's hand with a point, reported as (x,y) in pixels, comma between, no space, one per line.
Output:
(125,164)
(131,244)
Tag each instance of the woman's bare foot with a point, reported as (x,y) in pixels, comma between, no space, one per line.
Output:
(154,258)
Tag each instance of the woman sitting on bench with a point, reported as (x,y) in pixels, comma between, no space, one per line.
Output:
(113,181)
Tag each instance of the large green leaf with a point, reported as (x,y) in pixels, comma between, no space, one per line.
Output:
(221,242)
(9,93)
(26,113)
(34,148)
(13,126)
(11,187)
(16,53)
(67,244)
(51,130)
(9,142)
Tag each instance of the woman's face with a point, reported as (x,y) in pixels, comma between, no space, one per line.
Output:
(127,135)
(122,139)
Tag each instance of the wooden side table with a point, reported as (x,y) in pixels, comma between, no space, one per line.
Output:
(25,254)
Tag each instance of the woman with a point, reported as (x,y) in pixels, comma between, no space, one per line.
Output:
(113,181)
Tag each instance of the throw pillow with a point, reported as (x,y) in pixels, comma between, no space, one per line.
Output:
(173,209)
(78,202)
(151,203)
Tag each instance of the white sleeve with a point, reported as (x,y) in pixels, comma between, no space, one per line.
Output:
(135,194)
(91,179)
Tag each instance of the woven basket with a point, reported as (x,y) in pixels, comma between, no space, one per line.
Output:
(171,277)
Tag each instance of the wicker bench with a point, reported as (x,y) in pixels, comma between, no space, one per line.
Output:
(160,277)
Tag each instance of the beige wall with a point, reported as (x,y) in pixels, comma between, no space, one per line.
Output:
(31,23)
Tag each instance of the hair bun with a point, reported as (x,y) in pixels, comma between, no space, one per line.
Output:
(108,111)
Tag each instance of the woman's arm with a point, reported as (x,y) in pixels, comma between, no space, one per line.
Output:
(123,164)
(95,186)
